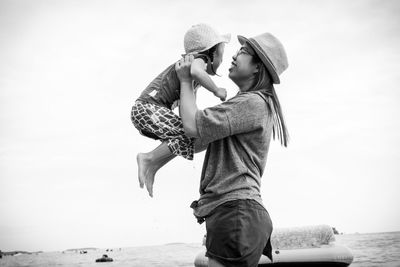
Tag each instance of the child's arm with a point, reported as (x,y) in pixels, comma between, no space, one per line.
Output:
(198,72)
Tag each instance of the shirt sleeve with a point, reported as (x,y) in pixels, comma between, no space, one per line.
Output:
(239,114)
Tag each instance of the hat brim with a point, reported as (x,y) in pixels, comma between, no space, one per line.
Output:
(224,38)
(261,54)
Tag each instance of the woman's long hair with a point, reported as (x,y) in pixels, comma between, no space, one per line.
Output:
(263,83)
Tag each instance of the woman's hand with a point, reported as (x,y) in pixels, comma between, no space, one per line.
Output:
(182,68)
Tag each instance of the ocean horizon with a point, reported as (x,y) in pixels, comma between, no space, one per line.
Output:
(369,249)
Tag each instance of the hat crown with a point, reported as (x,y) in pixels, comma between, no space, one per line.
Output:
(274,50)
(201,37)
(271,52)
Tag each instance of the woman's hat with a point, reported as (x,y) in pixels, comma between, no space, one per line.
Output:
(271,52)
(202,37)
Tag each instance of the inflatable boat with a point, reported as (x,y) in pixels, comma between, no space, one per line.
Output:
(300,247)
(105,258)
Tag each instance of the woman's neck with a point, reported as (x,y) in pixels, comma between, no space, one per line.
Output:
(245,85)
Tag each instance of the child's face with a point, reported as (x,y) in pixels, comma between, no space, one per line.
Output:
(218,56)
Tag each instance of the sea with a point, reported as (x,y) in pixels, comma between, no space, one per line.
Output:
(374,249)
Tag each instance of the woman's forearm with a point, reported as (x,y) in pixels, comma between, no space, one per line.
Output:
(188,109)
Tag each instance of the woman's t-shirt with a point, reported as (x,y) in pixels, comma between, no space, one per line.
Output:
(238,134)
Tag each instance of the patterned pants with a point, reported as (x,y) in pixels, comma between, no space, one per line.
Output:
(163,124)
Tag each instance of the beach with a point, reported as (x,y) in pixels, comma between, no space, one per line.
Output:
(374,249)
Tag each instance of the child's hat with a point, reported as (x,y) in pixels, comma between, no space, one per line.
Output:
(202,37)
(271,52)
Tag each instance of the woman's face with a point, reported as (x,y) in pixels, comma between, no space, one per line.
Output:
(242,67)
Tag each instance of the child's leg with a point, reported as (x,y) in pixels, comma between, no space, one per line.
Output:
(149,163)
(165,125)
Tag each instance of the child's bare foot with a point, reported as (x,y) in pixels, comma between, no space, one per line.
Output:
(145,172)
(139,159)
(149,184)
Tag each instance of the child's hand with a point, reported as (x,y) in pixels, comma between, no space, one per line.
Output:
(221,93)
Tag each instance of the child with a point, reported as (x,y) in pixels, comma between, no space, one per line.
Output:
(152,112)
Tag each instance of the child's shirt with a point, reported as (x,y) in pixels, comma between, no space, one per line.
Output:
(165,89)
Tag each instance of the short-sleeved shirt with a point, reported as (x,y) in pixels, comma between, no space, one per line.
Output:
(238,133)
(165,89)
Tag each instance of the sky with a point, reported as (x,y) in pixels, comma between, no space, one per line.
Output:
(71,70)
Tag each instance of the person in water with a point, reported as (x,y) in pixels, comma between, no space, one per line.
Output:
(152,112)
(237,135)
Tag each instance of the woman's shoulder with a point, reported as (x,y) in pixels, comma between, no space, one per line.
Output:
(250,97)
(250,102)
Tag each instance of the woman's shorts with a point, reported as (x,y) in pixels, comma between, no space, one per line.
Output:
(238,233)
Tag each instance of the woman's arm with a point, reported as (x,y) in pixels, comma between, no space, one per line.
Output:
(243,113)
(188,107)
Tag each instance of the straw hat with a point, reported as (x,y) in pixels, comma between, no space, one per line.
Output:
(271,52)
(202,37)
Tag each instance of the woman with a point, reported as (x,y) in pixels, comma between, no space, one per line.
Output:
(238,134)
